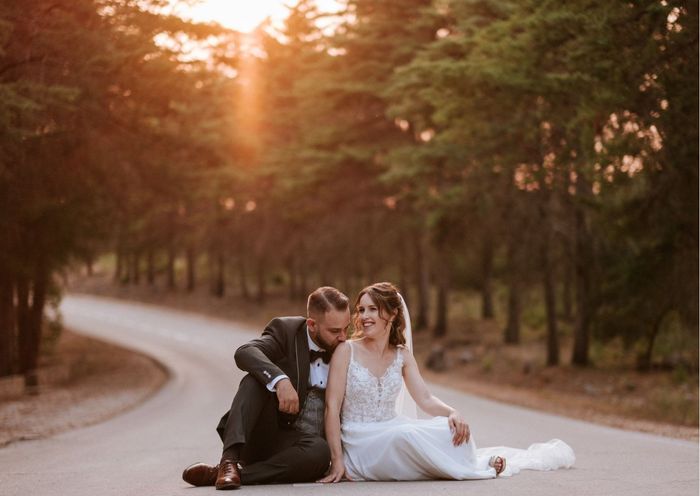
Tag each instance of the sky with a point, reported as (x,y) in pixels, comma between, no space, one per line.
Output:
(243,15)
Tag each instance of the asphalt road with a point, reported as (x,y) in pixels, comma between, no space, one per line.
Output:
(143,451)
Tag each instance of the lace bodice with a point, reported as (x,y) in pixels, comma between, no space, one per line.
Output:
(369,398)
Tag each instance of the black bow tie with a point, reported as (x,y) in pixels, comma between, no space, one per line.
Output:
(323,355)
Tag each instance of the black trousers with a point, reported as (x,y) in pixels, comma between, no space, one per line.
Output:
(270,453)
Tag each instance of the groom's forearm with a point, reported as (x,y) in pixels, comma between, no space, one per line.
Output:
(259,356)
(251,359)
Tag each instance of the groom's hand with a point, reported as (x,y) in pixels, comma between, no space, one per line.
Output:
(459,428)
(287,396)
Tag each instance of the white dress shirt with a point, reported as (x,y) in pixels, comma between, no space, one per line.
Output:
(318,370)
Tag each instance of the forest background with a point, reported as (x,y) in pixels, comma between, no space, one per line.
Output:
(526,171)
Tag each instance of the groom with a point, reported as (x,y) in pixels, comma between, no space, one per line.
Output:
(273,432)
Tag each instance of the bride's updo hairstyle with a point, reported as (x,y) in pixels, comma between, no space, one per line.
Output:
(386,297)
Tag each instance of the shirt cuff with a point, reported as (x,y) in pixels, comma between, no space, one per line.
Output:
(271,385)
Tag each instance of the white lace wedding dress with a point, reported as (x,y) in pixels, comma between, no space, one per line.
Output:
(379,444)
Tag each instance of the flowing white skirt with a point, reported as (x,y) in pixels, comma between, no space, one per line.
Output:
(421,449)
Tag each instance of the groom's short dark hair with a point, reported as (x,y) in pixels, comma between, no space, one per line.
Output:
(324,299)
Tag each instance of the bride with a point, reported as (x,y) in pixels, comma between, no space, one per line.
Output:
(371,428)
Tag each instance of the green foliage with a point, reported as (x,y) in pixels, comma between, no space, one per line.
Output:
(516,138)
(583,86)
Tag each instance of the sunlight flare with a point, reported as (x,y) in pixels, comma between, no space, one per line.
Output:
(243,15)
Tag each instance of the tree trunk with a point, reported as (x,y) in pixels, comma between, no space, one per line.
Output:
(220,284)
(135,267)
(126,266)
(191,269)
(242,278)
(324,278)
(23,333)
(403,271)
(644,361)
(347,281)
(118,265)
(423,280)
(486,276)
(511,333)
(131,268)
(567,292)
(443,283)
(36,315)
(171,268)
(373,267)
(291,270)
(150,267)
(29,321)
(211,271)
(550,305)
(7,326)
(441,311)
(584,265)
(303,273)
(121,265)
(262,287)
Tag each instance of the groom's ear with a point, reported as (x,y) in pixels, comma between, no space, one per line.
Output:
(311,323)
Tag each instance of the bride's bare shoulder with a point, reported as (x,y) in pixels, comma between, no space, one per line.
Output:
(406,355)
(358,342)
(404,349)
(342,350)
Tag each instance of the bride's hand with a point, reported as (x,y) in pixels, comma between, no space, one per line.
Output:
(335,474)
(459,428)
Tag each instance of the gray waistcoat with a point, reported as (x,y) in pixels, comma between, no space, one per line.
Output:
(310,420)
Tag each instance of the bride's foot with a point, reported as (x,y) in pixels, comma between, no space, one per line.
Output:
(499,463)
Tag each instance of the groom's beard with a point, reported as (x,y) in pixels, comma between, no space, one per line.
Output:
(320,341)
(326,346)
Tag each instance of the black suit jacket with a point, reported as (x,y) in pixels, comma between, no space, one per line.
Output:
(283,348)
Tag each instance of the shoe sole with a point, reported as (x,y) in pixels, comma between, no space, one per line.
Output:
(228,487)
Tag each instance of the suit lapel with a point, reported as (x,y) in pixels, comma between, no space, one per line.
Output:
(302,349)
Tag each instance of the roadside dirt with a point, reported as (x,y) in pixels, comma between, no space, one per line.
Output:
(600,407)
(82,382)
(653,402)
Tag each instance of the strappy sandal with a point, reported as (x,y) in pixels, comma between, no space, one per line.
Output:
(495,459)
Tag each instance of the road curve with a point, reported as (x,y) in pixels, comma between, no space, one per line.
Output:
(143,451)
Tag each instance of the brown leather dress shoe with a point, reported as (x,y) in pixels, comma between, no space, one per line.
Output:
(200,474)
(229,476)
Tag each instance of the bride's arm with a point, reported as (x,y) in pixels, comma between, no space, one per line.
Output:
(335,392)
(429,403)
